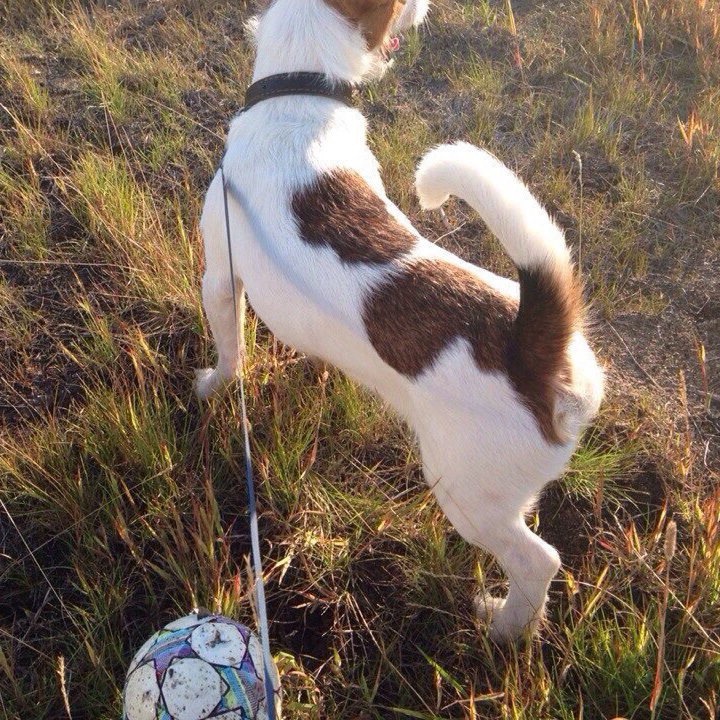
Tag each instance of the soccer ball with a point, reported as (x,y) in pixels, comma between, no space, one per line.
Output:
(200,667)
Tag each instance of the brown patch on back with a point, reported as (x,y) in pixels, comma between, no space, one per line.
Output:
(411,318)
(342,212)
(373,16)
(417,312)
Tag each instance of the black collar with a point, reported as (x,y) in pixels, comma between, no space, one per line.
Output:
(298,83)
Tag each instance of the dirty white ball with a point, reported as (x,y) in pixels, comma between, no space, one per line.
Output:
(200,667)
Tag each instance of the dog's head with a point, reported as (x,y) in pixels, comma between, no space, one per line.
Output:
(343,38)
(378,20)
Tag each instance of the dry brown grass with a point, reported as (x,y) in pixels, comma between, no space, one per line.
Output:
(122,504)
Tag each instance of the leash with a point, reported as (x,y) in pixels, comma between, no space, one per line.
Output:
(283,84)
(250,488)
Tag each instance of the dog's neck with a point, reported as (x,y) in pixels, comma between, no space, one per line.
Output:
(309,36)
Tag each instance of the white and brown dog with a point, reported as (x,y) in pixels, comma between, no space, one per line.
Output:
(495,377)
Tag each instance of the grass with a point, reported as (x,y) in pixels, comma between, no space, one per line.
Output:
(121,498)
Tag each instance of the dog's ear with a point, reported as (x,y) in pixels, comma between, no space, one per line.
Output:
(251,27)
(374,17)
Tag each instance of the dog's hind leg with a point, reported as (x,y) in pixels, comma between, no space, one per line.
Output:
(474,484)
(217,291)
(530,565)
(528,562)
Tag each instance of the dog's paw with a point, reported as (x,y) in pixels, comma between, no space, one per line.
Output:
(207,383)
(488,607)
(504,625)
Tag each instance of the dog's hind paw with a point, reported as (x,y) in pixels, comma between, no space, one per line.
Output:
(505,625)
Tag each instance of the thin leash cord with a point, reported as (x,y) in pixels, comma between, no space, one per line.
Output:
(252,509)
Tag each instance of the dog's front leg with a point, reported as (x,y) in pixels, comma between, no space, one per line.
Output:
(227,323)
(229,337)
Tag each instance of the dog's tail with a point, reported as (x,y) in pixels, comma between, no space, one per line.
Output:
(551,307)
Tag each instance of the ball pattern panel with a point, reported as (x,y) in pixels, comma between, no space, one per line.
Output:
(191,689)
(219,643)
(141,694)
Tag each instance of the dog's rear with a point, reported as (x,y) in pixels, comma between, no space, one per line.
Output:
(548,360)
(551,367)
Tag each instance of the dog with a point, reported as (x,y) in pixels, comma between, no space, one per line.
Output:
(495,377)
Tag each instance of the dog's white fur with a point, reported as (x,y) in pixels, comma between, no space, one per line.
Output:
(482,451)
